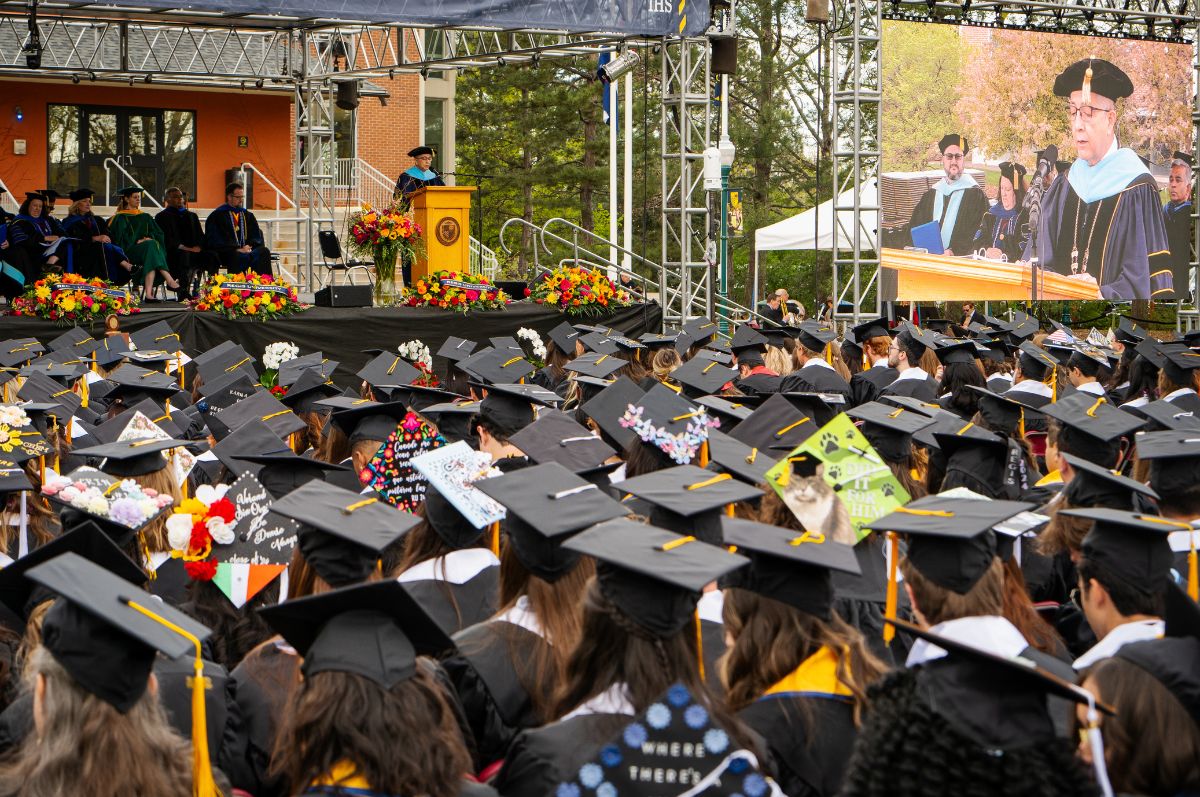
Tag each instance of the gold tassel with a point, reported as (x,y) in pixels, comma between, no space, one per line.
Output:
(203,784)
(889,607)
(84,392)
(699,644)
(704,454)
(1021,424)
(54,441)
(496,539)
(42,468)
(179,367)
(729,510)
(151,573)
(829,353)
(1087,84)
(1193,570)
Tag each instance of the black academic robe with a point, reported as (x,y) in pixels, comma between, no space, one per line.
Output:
(810,757)
(920,389)
(541,758)
(758,384)
(170,582)
(226,230)
(815,379)
(865,386)
(1187,402)
(1177,216)
(1034,421)
(182,228)
(466,788)
(26,250)
(970,212)
(93,258)
(861,600)
(409,182)
(1121,240)
(1008,232)
(980,469)
(263,682)
(483,673)
(998,383)
(455,603)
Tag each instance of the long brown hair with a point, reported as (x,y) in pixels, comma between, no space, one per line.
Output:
(402,740)
(42,523)
(155,533)
(938,604)
(83,740)
(771,639)
(1018,610)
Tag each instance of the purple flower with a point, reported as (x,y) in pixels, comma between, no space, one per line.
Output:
(126,512)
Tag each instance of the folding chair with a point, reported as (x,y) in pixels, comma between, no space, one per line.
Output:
(335,260)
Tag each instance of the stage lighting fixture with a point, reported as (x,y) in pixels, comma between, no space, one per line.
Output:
(617,67)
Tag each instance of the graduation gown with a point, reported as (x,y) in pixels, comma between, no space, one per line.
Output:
(865,386)
(95,258)
(226,230)
(811,756)
(1177,216)
(542,758)
(860,600)
(170,579)
(760,384)
(1006,230)
(815,378)
(27,245)
(466,789)
(712,638)
(970,211)
(458,590)
(181,227)
(1121,239)
(263,685)
(921,389)
(414,179)
(126,228)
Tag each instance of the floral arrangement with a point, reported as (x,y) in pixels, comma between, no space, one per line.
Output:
(124,502)
(385,235)
(197,526)
(459,291)
(418,354)
(532,346)
(577,291)
(71,299)
(248,294)
(13,416)
(275,355)
(681,447)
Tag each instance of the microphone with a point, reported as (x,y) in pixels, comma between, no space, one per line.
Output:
(1046,162)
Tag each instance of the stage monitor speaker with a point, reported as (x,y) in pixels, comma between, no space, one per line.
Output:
(347,95)
(514,288)
(344,296)
(724,55)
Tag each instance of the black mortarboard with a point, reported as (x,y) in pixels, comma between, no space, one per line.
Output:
(786,565)
(688,499)
(1165,415)
(81,193)
(225,358)
(1094,486)
(109,431)
(555,437)
(1174,460)
(596,364)
(453,419)
(1093,416)
(227,390)
(132,457)
(609,406)
(667,421)
(254,437)
(700,377)
(49,193)
(1173,661)
(658,340)
(714,356)
(128,190)
(1002,413)
(285,471)
(76,341)
(625,344)
(314,364)
(821,407)
(160,335)
(342,533)
(952,542)
(959,352)
(34,195)
(747,337)
(889,430)
(600,343)
(1106,79)
(373,630)
(1034,360)
(417,152)
(112,349)
(700,330)
(875,328)
(309,388)
(653,576)
(499,366)
(1128,332)
(1130,545)
(814,335)
(546,503)
(17,350)
(388,370)
(1176,360)
(370,421)
(41,389)
(1012,171)
(731,410)
(966,436)
(132,384)
(261,406)
(13,479)
(451,525)
(911,403)
(1183,156)
(733,456)
(563,337)
(98,634)
(775,426)
(88,540)
(511,406)
(455,349)
(953,140)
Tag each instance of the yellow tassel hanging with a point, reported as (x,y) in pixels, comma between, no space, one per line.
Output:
(179,367)
(729,510)
(1193,587)
(84,392)
(704,454)
(496,539)
(1086,99)
(54,442)
(1021,424)
(889,607)
(699,645)
(829,353)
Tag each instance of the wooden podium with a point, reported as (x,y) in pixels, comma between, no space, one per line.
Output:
(940,278)
(444,213)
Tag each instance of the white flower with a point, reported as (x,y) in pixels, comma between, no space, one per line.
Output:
(222,532)
(209,495)
(179,531)
(13,416)
(416,352)
(276,354)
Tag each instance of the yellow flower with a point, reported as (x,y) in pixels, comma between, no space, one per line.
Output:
(43,292)
(68,304)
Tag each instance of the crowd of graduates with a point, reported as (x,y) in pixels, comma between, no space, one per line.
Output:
(215,586)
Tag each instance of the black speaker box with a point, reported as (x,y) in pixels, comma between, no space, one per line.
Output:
(514,288)
(344,296)
(347,95)
(724,55)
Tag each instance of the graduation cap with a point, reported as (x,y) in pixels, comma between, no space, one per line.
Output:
(109,431)
(372,630)
(596,365)
(1165,415)
(952,140)
(653,576)
(159,335)
(1002,413)
(889,430)
(370,421)
(960,352)
(511,406)
(453,419)
(312,364)
(546,503)
(455,349)
(112,349)
(1174,459)
(555,437)
(1177,361)
(665,420)
(417,152)
(700,330)
(19,438)
(966,436)
(701,377)
(875,328)
(225,358)
(254,437)
(815,336)
(689,500)
(775,426)
(1096,486)
(310,387)
(746,337)
(735,457)
(76,341)
(731,410)
(284,471)
(564,337)
(260,406)
(951,539)
(600,343)
(658,340)
(17,350)
(1131,545)
(41,389)
(498,366)
(1035,361)
(794,567)
(608,407)
(342,533)
(132,383)
(821,407)
(1173,661)
(713,356)
(912,403)
(227,390)
(388,370)
(1128,332)
(132,457)
(13,479)
(1183,156)
(1093,75)
(1094,417)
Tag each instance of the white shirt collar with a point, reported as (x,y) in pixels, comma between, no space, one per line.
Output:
(1032,387)
(1174,394)
(522,615)
(1140,401)
(880,363)
(456,567)
(989,633)
(817,361)
(614,700)
(711,605)
(1119,637)
(1181,541)
(912,372)
(1095,388)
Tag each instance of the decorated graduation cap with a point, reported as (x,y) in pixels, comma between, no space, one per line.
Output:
(1173,661)
(120,507)
(953,140)
(19,438)
(735,457)
(701,377)
(608,407)
(372,630)
(658,340)
(951,541)
(775,426)
(1095,486)
(889,429)
(1133,546)
(793,567)
(132,457)
(455,349)
(595,364)
(556,437)
(342,533)
(1093,76)
(653,576)
(688,499)
(665,420)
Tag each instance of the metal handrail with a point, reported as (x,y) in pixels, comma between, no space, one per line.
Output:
(133,180)
(574,244)
(6,198)
(248,166)
(537,243)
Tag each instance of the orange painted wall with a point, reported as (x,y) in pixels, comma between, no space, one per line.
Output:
(220,118)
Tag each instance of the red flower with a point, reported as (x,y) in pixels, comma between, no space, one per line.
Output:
(201,571)
(200,537)
(223,509)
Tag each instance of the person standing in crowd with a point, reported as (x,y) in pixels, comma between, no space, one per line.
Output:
(956,202)
(184,240)
(419,175)
(232,232)
(1177,214)
(142,240)
(1003,231)
(970,315)
(1103,222)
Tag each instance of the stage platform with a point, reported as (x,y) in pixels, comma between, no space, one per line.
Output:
(341,333)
